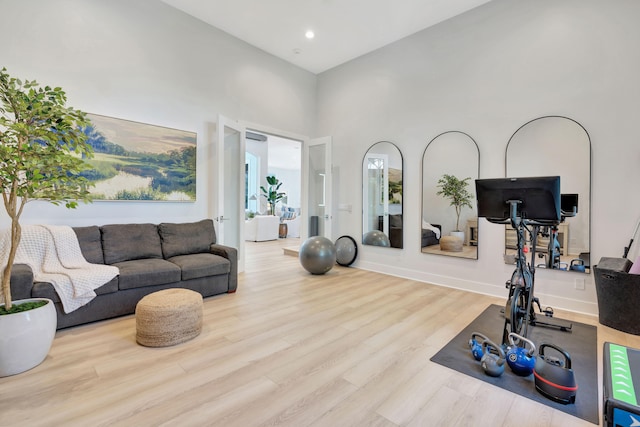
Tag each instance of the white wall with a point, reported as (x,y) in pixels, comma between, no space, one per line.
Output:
(486,73)
(145,61)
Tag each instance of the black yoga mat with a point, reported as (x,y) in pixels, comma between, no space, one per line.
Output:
(581,344)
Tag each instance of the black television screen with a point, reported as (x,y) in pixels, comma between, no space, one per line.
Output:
(539,197)
(569,202)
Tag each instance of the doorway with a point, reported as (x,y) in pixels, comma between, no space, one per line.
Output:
(272,155)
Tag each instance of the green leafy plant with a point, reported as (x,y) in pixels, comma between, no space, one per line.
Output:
(42,151)
(456,191)
(271,193)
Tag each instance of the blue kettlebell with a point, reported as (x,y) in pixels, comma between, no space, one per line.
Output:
(520,359)
(476,346)
(577,265)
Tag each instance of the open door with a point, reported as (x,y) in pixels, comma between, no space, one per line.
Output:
(229,161)
(319,184)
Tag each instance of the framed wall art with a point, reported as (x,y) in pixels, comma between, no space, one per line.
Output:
(139,161)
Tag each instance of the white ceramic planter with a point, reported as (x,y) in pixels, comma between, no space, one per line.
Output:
(458,234)
(26,337)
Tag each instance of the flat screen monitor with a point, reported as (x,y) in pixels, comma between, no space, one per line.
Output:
(569,202)
(539,198)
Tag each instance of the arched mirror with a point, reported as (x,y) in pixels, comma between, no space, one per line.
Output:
(550,146)
(450,166)
(382,222)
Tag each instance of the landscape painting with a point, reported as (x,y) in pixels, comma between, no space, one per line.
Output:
(138,161)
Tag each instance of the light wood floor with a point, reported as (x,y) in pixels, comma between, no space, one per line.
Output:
(467,251)
(350,348)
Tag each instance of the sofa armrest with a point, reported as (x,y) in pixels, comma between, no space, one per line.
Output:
(21,281)
(232,255)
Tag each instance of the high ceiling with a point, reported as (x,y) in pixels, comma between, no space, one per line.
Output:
(344,29)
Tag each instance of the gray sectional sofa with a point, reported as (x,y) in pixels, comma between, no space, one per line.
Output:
(150,258)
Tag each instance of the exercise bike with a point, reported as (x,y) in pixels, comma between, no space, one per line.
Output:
(528,204)
(520,307)
(568,208)
(552,255)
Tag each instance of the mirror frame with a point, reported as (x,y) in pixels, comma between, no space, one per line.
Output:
(506,171)
(379,240)
(471,184)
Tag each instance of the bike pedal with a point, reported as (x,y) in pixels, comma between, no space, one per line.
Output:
(548,312)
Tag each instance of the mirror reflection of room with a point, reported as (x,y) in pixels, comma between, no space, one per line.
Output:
(382,221)
(449,223)
(550,146)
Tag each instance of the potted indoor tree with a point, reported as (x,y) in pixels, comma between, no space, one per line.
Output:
(271,193)
(42,146)
(459,196)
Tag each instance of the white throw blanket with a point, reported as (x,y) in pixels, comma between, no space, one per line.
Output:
(54,255)
(427,226)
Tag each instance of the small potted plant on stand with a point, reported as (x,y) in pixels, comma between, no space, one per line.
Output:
(273,197)
(459,196)
(42,145)
(271,193)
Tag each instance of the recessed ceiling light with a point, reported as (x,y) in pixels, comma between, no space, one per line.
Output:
(309,34)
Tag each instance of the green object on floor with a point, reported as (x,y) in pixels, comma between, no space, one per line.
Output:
(622,379)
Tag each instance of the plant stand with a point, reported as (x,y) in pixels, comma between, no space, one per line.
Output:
(283,230)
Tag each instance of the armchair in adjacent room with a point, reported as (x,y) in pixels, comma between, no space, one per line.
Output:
(261,228)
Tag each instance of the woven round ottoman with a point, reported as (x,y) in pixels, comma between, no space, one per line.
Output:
(451,244)
(168,317)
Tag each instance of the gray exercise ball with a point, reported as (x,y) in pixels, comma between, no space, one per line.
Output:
(346,250)
(375,238)
(317,255)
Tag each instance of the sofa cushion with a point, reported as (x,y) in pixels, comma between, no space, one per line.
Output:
(395,221)
(186,238)
(126,242)
(195,266)
(90,243)
(46,289)
(147,272)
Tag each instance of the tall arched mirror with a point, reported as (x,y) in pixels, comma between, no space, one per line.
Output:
(550,146)
(382,221)
(450,166)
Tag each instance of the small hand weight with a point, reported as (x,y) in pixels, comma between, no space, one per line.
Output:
(492,364)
